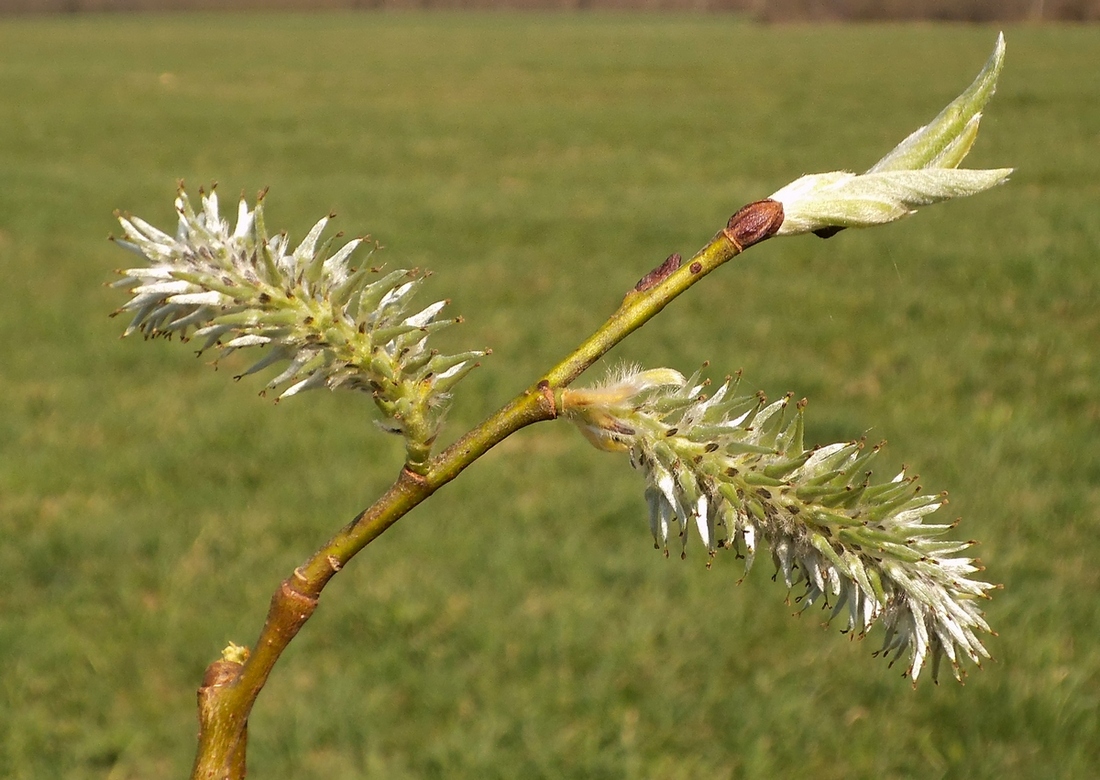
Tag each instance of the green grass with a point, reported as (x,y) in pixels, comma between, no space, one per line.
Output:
(520,625)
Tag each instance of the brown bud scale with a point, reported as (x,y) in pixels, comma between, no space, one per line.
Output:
(755,223)
(659,274)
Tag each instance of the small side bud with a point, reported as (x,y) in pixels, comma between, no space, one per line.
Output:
(235,653)
(226,669)
(659,274)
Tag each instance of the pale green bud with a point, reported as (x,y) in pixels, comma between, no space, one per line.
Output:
(946,140)
(920,171)
(840,200)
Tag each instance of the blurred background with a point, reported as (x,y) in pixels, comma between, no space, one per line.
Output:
(520,624)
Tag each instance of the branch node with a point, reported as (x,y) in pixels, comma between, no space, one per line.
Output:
(411,476)
(548,396)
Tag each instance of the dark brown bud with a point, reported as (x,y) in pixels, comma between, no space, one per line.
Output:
(659,274)
(754,223)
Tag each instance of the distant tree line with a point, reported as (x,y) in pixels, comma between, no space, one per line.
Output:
(764,10)
(945,10)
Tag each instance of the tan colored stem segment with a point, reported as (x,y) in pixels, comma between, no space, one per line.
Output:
(229,690)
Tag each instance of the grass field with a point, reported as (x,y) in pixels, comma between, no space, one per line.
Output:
(520,625)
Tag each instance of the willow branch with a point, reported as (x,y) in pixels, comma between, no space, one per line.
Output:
(230,688)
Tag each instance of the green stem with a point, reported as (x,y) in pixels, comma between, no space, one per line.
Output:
(226,699)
